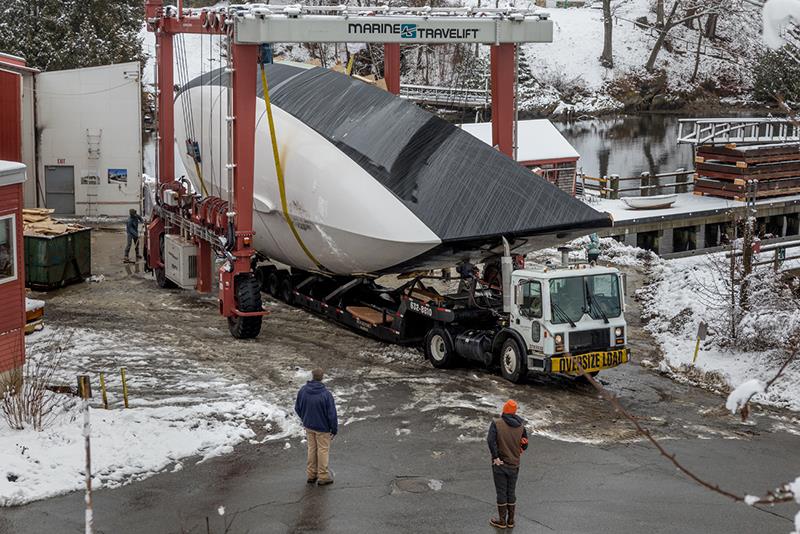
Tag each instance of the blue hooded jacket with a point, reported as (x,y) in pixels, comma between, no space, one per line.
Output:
(316,408)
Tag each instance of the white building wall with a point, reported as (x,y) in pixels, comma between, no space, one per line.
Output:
(90,119)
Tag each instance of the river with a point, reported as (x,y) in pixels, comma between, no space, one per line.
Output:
(627,145)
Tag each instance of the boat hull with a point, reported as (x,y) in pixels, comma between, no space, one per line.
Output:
(373,184)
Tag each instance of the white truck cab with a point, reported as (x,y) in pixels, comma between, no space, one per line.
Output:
(570,318)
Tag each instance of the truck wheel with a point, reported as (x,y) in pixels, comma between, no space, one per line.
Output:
(161,272)
(439,348)
(262,275)
(286,290)
(513,366)
(273,283)
(248,299)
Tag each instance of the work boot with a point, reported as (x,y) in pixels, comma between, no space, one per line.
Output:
(510,516)
(325,482)
(500,522)
(311,480)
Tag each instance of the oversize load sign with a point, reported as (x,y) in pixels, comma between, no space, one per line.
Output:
(411,31)
(594,361)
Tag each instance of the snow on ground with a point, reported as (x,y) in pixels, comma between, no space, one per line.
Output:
(178,410)
(675,303)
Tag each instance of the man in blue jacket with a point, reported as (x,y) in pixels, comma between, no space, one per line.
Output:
(316,408)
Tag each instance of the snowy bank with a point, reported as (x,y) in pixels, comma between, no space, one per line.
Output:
(178,411)
(684,292)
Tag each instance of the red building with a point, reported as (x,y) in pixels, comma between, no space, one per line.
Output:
(541,148)
(12,176)
(12,275)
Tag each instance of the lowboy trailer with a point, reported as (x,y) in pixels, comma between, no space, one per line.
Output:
(554,320)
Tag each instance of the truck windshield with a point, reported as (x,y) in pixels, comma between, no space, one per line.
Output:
(597,295)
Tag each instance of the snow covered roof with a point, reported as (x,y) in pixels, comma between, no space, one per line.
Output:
(686,205)
(539,140)
(11,172)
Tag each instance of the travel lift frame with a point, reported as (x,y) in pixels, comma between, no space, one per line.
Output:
(251,25)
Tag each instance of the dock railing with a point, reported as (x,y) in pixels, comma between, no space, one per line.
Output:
(779,254)
(613,185)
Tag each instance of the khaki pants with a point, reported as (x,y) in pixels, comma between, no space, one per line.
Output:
(319,443)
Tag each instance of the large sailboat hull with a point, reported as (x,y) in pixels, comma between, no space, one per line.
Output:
(373,184)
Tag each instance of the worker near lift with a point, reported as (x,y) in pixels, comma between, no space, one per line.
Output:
(507,439)
(132,233)
(316,408)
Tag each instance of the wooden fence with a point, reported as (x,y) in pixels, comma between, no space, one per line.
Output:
(646,184)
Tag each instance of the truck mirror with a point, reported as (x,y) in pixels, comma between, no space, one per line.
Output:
(518,295)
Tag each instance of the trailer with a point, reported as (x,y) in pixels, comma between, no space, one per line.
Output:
(556,319)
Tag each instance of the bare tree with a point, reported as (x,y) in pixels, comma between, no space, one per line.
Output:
(694,12)
(606,58)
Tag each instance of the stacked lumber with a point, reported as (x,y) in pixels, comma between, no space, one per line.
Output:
(38,222)
(723,171)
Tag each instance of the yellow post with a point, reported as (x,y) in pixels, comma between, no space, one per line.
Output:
(124,387)
(696,350)
(103,390)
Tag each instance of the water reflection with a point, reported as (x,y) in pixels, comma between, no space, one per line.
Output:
(627,145)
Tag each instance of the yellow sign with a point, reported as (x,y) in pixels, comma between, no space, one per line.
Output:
(593,361)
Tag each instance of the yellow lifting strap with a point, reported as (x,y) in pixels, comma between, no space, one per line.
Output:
(199,170)
(349,69)
(279,172)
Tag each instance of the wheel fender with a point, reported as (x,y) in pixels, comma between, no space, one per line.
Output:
(501,337)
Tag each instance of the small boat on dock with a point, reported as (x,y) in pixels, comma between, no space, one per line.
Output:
(654,202)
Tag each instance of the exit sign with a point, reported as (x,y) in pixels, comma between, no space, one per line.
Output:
(61,161)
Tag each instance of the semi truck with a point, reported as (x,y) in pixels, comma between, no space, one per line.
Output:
(560,319)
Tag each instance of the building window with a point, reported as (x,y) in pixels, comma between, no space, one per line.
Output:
(8,246)
(648,240)
(684,239)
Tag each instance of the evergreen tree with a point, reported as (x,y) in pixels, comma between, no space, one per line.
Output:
(67,34)
(777,75)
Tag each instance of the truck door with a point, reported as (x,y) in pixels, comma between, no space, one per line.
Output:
(527,314)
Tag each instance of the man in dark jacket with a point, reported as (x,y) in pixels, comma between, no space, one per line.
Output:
(132,232)
(316,408)
(507,439)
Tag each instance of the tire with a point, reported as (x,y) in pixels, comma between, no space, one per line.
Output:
(160,272)
(262,275)
(161,279)
(273,283)
(513,366)
(248,299)
(286,290)
(439,348)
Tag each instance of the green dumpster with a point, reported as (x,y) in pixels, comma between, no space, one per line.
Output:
(55,261)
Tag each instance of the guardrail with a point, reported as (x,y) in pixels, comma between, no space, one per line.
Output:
(779,255)
(613,185)
(446,96)
(744,130)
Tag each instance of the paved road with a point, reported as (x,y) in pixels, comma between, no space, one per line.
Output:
(411,456)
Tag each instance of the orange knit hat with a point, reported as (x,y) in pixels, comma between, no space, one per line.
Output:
(510,407)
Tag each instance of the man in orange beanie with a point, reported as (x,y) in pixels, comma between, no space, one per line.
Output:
(507,439)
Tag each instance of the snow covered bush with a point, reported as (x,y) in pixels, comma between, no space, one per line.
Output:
(29,402)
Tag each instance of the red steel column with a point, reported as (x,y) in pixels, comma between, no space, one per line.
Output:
(204,274)
(166,107)
(502,58)
(245,62)
(391,67)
